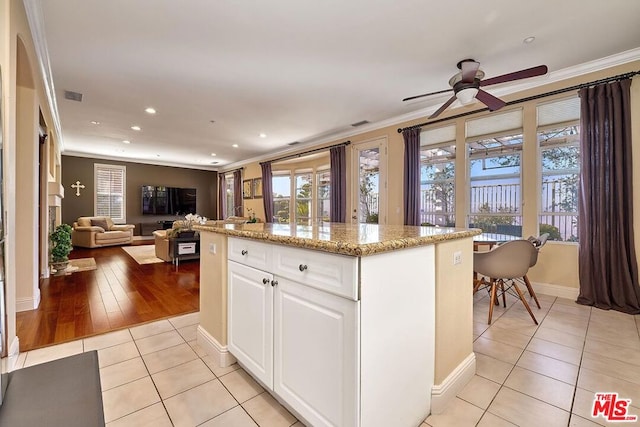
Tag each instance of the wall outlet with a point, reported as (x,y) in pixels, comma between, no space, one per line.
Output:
(457,257)
(212,248)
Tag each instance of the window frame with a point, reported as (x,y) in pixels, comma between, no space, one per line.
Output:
(121,169)
(542,174)
(451,158)
(491,152)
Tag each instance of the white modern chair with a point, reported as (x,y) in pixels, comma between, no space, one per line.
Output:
(500,267)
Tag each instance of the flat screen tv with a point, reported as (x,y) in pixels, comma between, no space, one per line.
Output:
(162,200)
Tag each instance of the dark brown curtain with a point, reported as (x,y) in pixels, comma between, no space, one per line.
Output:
(607,256)
(237,193)
(222,200)
(267,191)
(338,190)
(411,176)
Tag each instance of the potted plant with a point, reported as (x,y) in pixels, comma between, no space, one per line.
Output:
(60,247)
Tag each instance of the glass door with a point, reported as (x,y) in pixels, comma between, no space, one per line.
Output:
(369,189)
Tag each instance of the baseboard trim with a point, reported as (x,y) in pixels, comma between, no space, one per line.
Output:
(218,351)
(26,304)
(442,394)
(556,290)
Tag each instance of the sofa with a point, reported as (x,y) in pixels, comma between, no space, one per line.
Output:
(162,239)
(99,231)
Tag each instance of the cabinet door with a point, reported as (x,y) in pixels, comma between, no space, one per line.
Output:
(316,357)
(250,317)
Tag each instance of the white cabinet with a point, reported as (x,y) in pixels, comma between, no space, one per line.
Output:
(342,341)
(316,353)
(300,342)
(250,313)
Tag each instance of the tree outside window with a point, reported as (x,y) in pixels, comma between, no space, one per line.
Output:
(437,186)
(560,163)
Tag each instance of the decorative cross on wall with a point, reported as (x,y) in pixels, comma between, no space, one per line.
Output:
(77,186)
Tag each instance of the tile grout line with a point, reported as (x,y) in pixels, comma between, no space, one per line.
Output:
(584,345)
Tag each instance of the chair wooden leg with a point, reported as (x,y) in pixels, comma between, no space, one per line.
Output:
(530,289)
(493,298)
(504,297)
(524,301)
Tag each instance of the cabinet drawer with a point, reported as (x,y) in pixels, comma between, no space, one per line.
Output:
(249,252)
(337,274)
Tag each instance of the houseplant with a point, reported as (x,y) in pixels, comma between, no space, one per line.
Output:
(60,247)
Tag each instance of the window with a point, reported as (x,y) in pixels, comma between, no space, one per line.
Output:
(495,146)
(323,192)
(558,139)
(229,196)
(281,197)
(110,194)
(304,197)
(437,176)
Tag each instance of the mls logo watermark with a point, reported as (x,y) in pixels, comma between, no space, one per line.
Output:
(612,408)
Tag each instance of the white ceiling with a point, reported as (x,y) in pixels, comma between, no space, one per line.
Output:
(294,70)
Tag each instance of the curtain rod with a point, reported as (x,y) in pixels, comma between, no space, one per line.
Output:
(529,98)
(293,156)
(232,170)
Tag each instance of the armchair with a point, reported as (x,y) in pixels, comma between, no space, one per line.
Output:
(99,231)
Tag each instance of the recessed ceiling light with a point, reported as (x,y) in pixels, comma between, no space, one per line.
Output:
(126,141)
(263,135)
(213,154)
(528,40)
(150,110)
(235,145)
(94,122)
(136,127)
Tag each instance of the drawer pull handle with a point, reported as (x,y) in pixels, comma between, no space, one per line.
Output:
(244,252)
(302,267)
(265,281)
(274,283)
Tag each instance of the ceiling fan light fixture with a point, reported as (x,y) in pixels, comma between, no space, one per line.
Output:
(466,96)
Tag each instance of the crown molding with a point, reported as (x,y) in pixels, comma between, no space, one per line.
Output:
(33,10)
(140,161)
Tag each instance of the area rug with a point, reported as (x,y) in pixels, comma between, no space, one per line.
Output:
(62,393)
(75,265)
(143,254)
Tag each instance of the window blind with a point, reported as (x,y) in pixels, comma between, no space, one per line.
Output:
(110,195)
(494,124)
(438,135)
(564,110)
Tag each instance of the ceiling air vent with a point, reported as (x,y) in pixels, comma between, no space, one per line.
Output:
(360,123)
(294,143)
(72,96)
(214,163)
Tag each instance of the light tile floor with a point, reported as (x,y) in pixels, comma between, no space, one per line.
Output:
(526,375)
(157,375)
(546,375)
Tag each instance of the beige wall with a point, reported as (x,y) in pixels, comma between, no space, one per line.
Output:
(557,264)
(213,289)
(454,307)
(23,99)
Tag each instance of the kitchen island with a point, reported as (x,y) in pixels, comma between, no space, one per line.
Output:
(353,325)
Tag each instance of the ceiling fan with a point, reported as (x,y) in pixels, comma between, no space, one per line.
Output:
(466,85)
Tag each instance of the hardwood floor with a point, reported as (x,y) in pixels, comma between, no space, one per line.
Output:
(118,294)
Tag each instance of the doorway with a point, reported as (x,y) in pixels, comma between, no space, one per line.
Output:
(369,195)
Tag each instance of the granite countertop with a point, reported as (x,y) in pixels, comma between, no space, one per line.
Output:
(340,238)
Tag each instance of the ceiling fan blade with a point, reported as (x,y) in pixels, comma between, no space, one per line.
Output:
(427,94)
(489,100)
(517,75)
(469,69)
(443,107)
